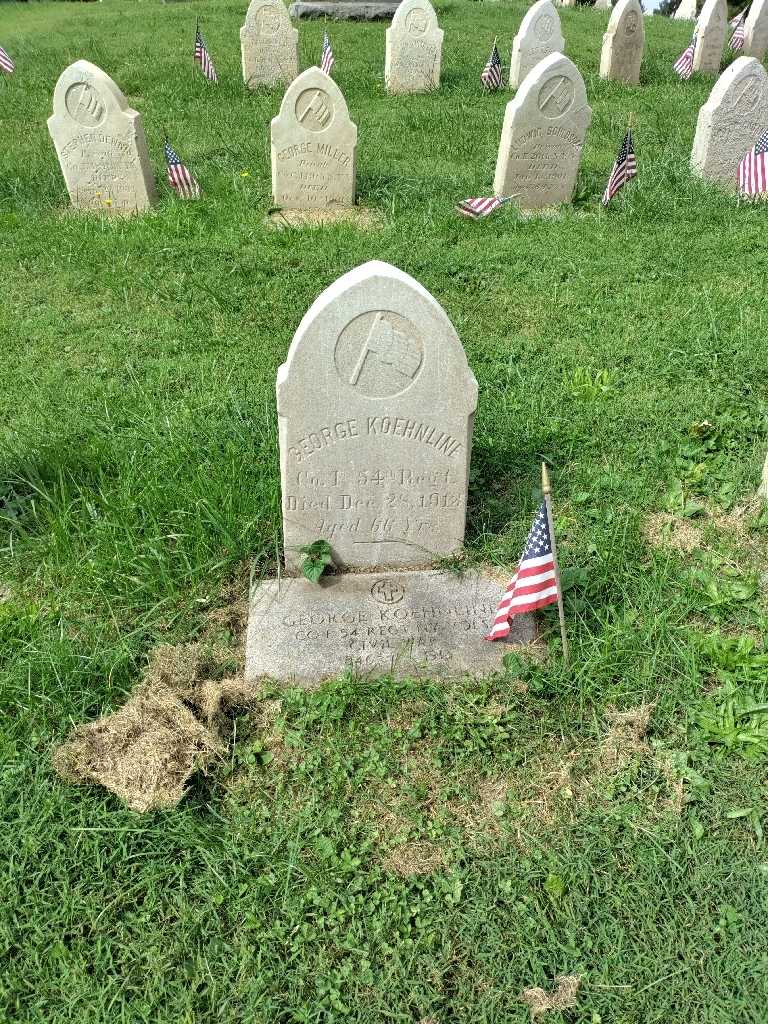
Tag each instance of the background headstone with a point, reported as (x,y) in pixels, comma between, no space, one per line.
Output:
(343,10)
(542,136)
(100,143)
(375,406)
(313,145)
(756,30)
(414,46)
(731,121)
(711,30)
(603,5)
(686,11)
(269,45)
(623,43)
(538,36)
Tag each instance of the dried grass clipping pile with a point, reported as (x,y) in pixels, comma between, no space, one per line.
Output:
(172,726)
(562,998)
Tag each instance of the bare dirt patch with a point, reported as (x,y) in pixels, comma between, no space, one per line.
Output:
(664,530)
(362,217)
(561,998)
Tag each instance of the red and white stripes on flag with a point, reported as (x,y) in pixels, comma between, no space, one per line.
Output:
(534,585)
(482,206)
(752,174)
(492,76)
(737,39)
(180,177)
(6,64)
(624,168)
(203,58)
(684,63)
(326,58)
(737,17)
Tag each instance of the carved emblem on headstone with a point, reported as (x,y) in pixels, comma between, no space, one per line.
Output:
(387,592)
(84,104)
(556,96)
(543,27)
(314,110)
(417,22)
(379,353)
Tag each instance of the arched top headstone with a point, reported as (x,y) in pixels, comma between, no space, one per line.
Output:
(539,35)
(100,143)
(269,44)
(603,5)
(375,404)
(623,43)
(731,121)
(543,134)
(711,30)
(414,44)
(313,145)
(756,30)
(686,11)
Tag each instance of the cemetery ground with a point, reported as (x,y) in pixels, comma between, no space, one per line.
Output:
(379,850)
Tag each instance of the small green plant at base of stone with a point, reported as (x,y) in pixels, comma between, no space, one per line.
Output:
(317,557)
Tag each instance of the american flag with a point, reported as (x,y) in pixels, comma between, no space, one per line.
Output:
(752,174)
(534,585)
(737,17)
(326,59)
(6,64)
(179,176)
(737,39)
(624,168)
(481,207)
(203,58)
(491,75)
(684,63)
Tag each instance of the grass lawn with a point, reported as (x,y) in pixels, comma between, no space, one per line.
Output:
(380,851)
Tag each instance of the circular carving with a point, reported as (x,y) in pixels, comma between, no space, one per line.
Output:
(631,23)
(379,354)
(417,22)
(556,96)
(267,21)
(387,592)
(314,110)
(544,27)
(747,95)
(84,104)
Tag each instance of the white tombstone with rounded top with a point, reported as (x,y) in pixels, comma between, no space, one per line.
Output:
(731,121)
(100,143)
(756,30)
(543,135)
(313,145)
(538,36)
(603,5)
(623,44)
(269,44)
(686,11)
(375,405)
(414,45)
(711,30)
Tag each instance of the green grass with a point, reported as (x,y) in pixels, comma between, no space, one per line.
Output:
(138,472)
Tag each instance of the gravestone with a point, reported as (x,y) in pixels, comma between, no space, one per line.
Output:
(543,135)
(375,408)
(711,30)
(623,44)
(603,5)
(686,11)
(313,145)
(414,49)
(269,45)
(756,30)
(538,36)
(100,143)
(731,121)
(344,10)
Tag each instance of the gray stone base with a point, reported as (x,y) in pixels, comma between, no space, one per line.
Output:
(428,624)
(343,10)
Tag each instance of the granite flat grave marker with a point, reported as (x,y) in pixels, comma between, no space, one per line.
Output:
(543,135)
(313,145)
(269,45)
(756,30)
(711,30)
(100,143)
(731,121)
(623,44)
(538,36)
(414,46)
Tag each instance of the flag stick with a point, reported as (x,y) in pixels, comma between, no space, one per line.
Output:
(547,489)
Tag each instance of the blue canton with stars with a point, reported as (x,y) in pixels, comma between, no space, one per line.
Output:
(538,543)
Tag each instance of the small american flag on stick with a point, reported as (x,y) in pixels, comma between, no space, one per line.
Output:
(491,76)
(684,63)
(536,583)
(6,64)
(624,168)
(737,39)
(327,59)
(203,58)
(737,17)
(180,177)
(752,174)
(482,206)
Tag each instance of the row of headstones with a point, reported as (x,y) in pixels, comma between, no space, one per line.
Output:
(712,30)
(755,26)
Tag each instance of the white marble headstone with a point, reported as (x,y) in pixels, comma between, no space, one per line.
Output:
(603,5)
(539,35)
(731,121)
(100,143)
(756,30)
(375,406)
(623,44)
(414,47)
(711,30)
(686,11)
(269,44)
(542,136)
(313,145)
